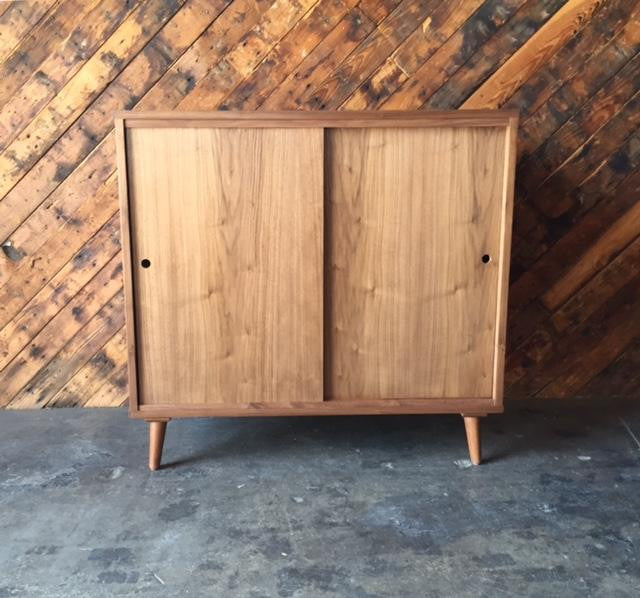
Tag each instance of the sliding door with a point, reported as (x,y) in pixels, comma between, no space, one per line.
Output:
(413,220)
(227,263)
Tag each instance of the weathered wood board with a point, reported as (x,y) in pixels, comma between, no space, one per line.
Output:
(571,67)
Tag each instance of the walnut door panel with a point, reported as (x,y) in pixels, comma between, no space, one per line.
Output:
(414,219)
(229,224)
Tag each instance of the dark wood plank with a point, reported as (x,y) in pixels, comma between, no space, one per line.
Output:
(452,55)
(569,62)
(493,54)
(593,115)
(598,67)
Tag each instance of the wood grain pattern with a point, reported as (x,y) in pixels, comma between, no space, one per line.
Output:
(230,308)
(399,320)
(570,68)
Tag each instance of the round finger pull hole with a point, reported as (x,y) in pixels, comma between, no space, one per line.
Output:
(486,258)
(145,263)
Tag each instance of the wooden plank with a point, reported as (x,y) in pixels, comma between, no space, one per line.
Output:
(298,87)
(286,55)
(88,381)
(355,407)
(113,392)
(57,211)
(51,378)
(526,313)
(128,262)
(564,254)
(41,132)
(44,347)
(609,176)
(526,357)
(531,17)
(550,356)
(598,67)
(597,346)
(568,64)
(41,41)
(359,65)
(224,33)
(375,89)
(17,21)
(445,19)
(504,259)
(599,254)
(377,10)
(554,197)
(318,119)
(451,55)
(242,59)
(257,307)
(598,188)
(439,25)
(57,293)
(531,56)
(523,322)
(606,283)
(620,379)
(578,130)
(274,25)
(34,273)
(85,135)
(99,22)
(380,271)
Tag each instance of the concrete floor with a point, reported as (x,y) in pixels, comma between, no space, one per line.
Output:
(377,506)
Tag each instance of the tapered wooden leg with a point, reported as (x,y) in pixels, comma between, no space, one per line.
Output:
(156,442)
(472,428)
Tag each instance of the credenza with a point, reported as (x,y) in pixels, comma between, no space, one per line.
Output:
(315,263)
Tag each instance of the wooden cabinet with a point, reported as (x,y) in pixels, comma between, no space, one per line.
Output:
(315,263)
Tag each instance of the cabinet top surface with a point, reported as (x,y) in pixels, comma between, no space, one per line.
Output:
(323,119)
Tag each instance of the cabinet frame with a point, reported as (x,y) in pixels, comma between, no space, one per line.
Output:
(471,406)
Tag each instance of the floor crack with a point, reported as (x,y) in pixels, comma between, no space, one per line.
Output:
(630,431)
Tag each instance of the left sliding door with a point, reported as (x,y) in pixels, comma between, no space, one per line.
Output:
(226,237)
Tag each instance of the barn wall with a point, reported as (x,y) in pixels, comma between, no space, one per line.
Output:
(572,67)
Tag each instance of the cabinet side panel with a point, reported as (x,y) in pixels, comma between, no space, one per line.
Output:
(229,307)
(412,305)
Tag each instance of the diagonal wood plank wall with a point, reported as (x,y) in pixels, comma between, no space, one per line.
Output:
(572,67)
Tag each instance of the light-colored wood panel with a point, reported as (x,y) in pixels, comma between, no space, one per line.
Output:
(230,308)
(411,305)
